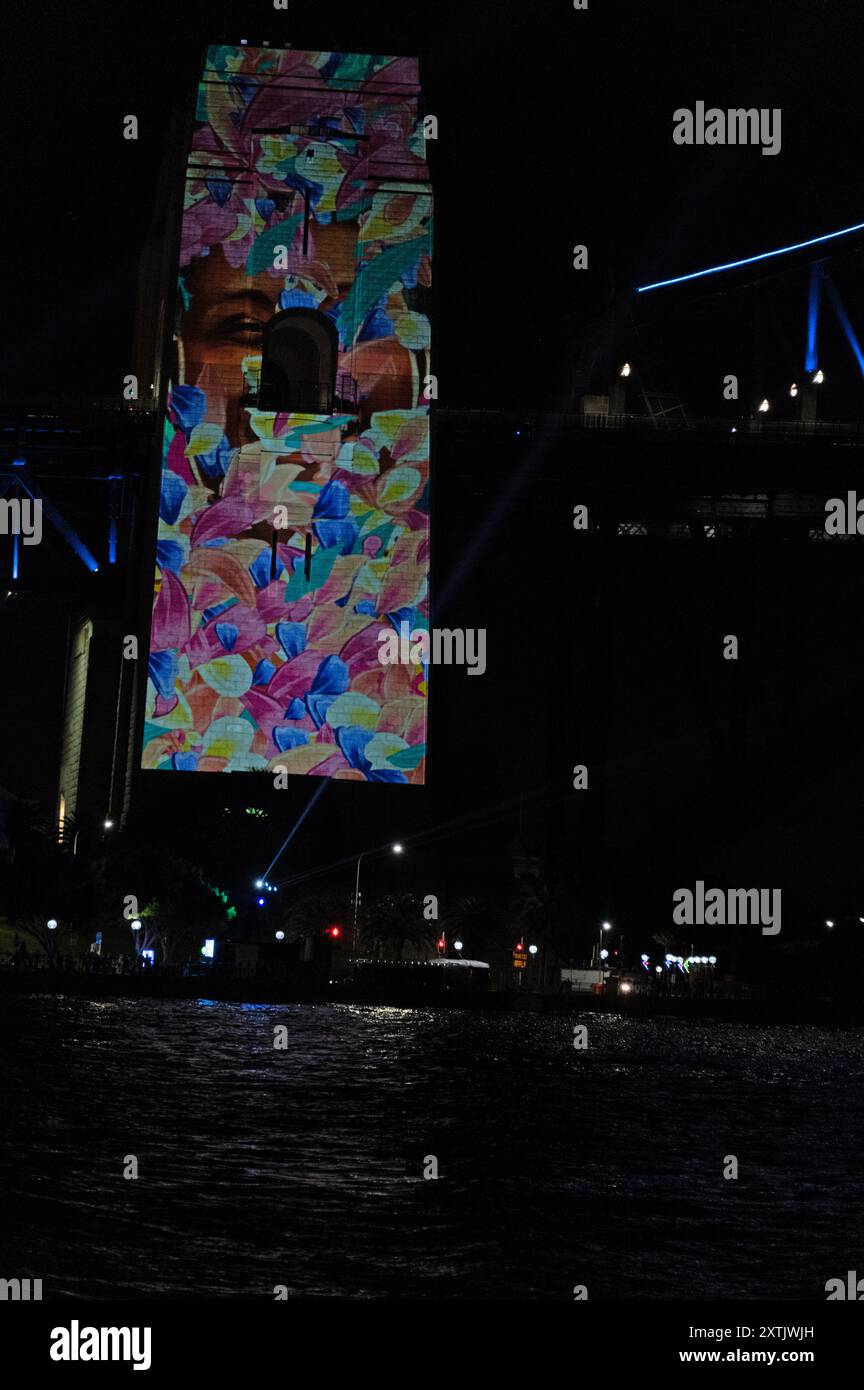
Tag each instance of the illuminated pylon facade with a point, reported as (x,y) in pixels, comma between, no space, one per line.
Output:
(293,522)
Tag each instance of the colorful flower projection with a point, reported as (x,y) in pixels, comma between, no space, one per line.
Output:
(289,540)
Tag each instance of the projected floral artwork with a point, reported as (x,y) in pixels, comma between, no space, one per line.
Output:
(293,521)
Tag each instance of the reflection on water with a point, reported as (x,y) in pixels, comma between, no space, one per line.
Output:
(303,1166)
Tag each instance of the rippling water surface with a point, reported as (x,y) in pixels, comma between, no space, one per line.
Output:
(304,1167)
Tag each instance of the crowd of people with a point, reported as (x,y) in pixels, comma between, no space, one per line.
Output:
(89,962)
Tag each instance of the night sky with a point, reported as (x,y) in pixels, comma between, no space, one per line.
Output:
(555,129)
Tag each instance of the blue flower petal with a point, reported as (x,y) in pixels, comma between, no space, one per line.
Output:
(404,615)
(261,566)
(169,556)
(331,678)
(318,706)
(289,738)
(218,608)
(215,463)
(352,742)
(187,407)
(227,634)
(292,637)
(163,672)
(375,325)
(219,190)
(171,497)
(245,86)
(184,762)
(334,502)
(341,533)
(297,299)
(264,672)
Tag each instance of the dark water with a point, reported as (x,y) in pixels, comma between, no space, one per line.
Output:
(304,1167)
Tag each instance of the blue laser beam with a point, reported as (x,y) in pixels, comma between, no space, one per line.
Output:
(845,324)
(319,791)
(751,260)
(59,522)
(811,357)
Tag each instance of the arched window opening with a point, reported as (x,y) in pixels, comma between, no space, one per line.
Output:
(298,367)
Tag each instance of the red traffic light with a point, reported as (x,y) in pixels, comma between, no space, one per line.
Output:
(334,931)
(441,943)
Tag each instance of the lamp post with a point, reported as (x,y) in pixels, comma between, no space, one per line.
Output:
(606,926)
(394,849)
(534,952)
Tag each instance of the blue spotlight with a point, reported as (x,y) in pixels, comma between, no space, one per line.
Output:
(69,536)
(319,791)
(751,260)
(845,324)
(817,275)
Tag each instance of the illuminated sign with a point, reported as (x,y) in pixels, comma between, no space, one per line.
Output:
(293,521)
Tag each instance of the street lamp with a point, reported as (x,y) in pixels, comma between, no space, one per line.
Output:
(605,926)
(534,951)
(394,849)
(52,927)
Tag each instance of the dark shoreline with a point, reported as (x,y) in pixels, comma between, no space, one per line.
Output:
(817,1012)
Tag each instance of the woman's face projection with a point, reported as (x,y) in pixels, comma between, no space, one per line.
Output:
(293,520)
